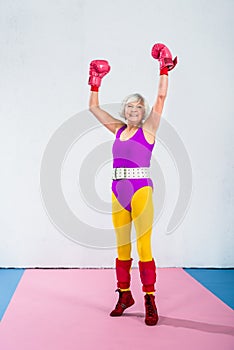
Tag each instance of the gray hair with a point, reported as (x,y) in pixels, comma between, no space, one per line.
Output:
(134,98)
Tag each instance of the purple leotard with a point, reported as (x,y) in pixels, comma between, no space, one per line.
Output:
(133,153)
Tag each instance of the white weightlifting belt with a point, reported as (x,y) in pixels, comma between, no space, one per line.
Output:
(130,173)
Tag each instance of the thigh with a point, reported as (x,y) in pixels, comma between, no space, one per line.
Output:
(143,210)
(122,221)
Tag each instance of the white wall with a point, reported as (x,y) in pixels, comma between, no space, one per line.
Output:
(46,47)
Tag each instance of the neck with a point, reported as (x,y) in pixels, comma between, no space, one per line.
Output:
(133,126)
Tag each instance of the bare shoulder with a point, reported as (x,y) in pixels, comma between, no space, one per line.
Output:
(149,136)
(119,126)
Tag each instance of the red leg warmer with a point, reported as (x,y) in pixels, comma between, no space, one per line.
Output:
(123,273)
(148,275)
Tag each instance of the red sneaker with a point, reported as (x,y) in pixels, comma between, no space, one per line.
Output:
(125,300)
(151,313)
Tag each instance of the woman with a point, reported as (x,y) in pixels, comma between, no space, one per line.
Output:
(131,186)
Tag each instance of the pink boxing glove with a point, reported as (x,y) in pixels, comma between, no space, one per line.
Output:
(161,53)
(97,70)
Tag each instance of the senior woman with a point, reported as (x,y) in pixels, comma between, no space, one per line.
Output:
(132,186)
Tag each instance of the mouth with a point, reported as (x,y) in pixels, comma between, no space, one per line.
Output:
(133,116)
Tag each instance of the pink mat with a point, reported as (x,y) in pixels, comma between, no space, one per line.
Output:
(69,309)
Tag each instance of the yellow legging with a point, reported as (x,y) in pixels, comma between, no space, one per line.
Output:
(142,213)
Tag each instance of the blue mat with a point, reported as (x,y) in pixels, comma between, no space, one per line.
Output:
(218,281)
(9,279)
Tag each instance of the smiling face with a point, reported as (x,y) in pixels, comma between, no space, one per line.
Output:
(134,112)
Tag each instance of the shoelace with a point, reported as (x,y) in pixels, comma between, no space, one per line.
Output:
(120,303)
(150,308)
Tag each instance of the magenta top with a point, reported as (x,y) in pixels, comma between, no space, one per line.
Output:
(133,153)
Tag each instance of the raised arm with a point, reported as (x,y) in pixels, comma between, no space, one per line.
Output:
(163,55)
(98,69)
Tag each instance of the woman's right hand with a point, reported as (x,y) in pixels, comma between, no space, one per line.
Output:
(98,69)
